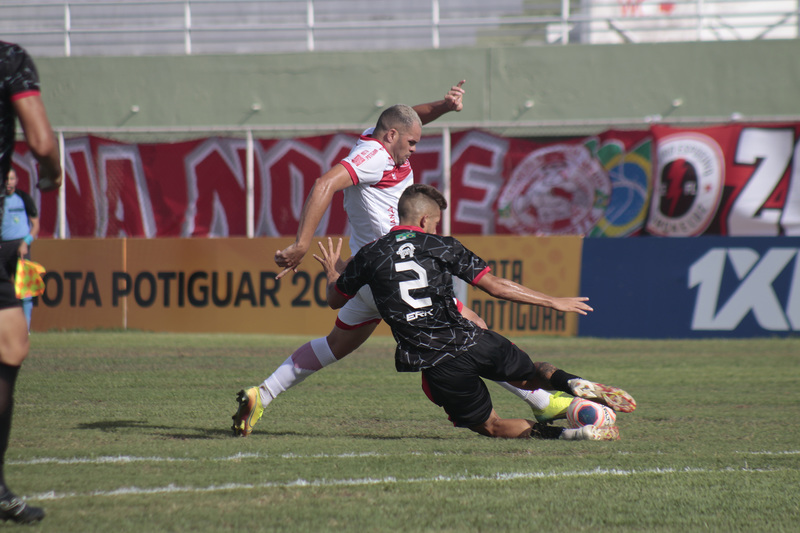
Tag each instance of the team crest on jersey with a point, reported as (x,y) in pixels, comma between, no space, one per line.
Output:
(406,251)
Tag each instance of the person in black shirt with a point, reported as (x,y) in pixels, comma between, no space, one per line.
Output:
(410,274)
(19,99)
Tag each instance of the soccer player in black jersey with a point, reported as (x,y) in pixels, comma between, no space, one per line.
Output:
(410,273)
(19,99)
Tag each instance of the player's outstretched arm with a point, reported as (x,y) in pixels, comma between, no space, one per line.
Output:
(506,289)
(453,101)
(319,199)
(41,140)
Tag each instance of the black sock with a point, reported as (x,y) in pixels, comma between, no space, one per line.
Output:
(543,431)
(8,378)
(559,380)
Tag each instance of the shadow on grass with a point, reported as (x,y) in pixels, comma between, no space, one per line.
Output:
(169,432)
(113,426)
(365,436)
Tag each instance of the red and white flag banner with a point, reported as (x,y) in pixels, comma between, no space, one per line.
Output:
(726,180)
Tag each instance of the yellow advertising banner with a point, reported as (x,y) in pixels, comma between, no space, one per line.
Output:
(227,285)
(78,284)
(230,285)
(551,265)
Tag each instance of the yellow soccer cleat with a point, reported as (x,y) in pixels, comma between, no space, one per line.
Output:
(557,408)
(248,413)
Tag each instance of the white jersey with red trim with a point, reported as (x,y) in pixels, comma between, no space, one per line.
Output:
(371,203)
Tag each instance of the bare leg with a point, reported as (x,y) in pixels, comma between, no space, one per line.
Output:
(14,346)
(541,381)
(504,428)
(14,343)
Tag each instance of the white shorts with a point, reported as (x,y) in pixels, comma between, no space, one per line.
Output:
(358,311)
(361,310)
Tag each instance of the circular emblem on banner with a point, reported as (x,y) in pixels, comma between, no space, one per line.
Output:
(689,181)
(558,190)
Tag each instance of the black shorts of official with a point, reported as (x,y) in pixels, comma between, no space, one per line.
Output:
(9,251)
(456,385)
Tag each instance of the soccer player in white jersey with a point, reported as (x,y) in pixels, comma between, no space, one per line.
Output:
(372,178)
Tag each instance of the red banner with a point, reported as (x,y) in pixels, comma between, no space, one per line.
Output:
(596,185)
(738,180)
(727,180)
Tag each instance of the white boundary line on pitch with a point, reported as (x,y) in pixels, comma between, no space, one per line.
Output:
(788,452)
(510,476)
(122,459)
(117,459)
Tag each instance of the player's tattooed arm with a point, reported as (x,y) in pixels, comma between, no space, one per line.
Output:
(545,369)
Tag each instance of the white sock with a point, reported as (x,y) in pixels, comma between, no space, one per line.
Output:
(540,399)
(521,393)
(573,434)
(306,360)
(285,377)
(537,399)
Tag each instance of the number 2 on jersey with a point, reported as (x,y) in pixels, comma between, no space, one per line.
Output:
(407,286)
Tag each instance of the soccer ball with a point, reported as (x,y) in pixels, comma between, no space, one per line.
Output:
(582,412)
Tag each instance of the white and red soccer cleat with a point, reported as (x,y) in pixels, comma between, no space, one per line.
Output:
(615,398)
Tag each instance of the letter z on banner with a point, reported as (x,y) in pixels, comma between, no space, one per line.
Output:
(735,180)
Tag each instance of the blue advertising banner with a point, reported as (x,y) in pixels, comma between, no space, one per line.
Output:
(691,287)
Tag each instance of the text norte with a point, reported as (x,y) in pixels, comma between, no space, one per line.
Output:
(178,289)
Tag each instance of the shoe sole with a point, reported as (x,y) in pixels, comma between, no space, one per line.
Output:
(616,399)
(240,426)
(591,433)
(605,433)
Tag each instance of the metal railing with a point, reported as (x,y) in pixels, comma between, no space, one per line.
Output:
(176,27)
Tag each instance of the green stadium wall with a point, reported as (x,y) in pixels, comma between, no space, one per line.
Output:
(565,83)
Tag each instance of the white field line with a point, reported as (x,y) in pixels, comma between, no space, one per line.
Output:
(787,452)
(118,459)
(121,459)
(500,476)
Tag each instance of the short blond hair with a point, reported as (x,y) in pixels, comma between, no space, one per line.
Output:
(399,117)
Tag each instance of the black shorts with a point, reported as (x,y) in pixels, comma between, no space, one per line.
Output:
(456,385)
(9,251)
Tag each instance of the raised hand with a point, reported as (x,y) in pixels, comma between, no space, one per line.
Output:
(454,97)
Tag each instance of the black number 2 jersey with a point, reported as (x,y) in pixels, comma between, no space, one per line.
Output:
(410,274)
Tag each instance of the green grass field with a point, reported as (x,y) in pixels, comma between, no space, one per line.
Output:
(130,432)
